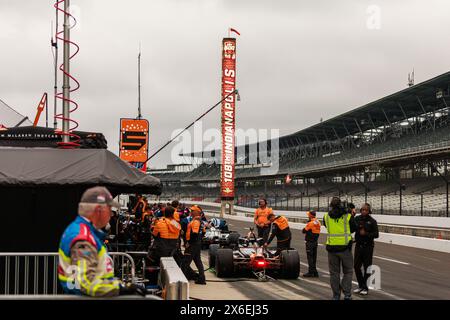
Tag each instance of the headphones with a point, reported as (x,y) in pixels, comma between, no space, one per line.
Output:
(368,206)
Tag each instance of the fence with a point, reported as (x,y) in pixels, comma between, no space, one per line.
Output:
(434,205)
(37,273)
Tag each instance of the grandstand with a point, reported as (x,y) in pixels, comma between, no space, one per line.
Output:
(392,153)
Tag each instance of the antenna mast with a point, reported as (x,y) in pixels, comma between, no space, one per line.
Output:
(411,79)
(66,79)
(55,61)
(139,83)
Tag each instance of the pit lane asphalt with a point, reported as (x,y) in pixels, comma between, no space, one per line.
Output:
(406,273)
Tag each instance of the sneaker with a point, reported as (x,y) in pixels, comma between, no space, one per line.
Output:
(358,290)
(336,298)
(348,298)
(364,292)
(308,275)
(316,274)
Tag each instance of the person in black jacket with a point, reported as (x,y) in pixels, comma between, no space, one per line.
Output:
(280,230)
(367,231)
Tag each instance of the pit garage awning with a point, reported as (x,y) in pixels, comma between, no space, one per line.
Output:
(47,167)
(40,189)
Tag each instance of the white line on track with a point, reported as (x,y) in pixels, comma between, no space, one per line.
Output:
(327,274)
(392,260)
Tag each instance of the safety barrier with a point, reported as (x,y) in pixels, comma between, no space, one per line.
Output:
(36,273)
(172,280)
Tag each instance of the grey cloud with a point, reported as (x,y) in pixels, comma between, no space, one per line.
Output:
(298,61)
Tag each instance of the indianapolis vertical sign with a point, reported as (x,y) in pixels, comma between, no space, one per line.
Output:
(228,118)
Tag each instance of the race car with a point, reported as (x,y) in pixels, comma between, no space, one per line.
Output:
(249,254)
(214,236)
(218,223)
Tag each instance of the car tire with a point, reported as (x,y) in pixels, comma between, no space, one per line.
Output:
(224,263)
(290,264)
(212,253)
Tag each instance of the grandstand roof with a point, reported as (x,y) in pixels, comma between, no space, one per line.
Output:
(410,102)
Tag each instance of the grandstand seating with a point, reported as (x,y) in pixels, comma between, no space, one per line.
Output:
(418,198)
(405,144)
(422,141)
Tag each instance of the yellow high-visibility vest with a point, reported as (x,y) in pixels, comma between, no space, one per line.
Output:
(339,233)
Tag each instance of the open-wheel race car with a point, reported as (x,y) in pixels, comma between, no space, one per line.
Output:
(249,254)
(220,238)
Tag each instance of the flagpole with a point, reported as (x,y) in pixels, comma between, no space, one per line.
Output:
(139,83)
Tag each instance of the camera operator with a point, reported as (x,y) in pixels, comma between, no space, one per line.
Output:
(340,224)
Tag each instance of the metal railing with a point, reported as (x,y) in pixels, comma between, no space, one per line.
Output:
(299,168)
(36,273)
(127,266)
(411,205)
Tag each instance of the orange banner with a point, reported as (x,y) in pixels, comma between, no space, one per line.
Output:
(228,118)
(134,142)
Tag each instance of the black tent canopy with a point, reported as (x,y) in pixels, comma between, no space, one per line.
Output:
(40,189)
(42,167)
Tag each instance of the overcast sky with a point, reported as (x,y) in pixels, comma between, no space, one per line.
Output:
(297,61)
